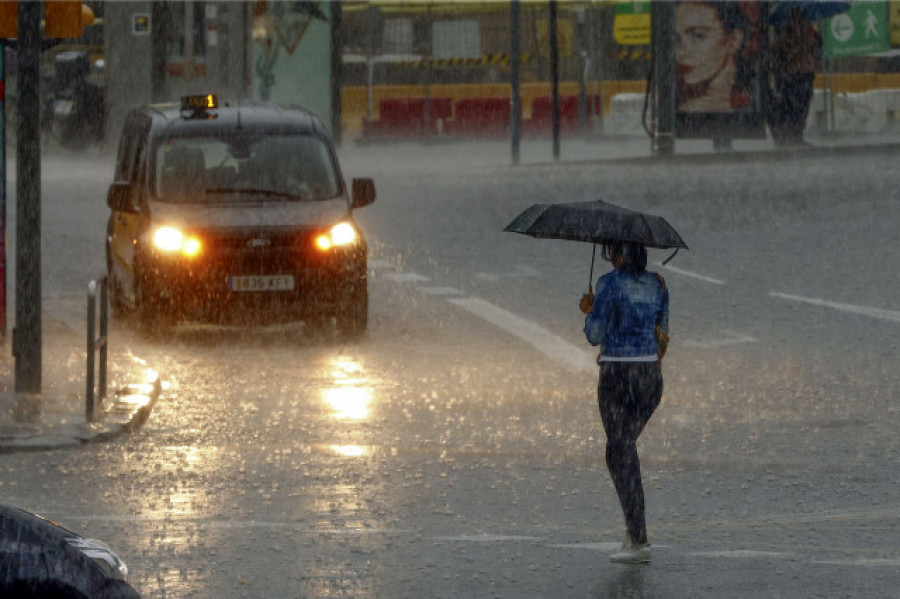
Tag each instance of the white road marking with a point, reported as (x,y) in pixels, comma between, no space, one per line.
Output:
(733,339)
(591,546)
(549,344)
(893,563)
(406,277)
(441,291)
(688,273)
(488,538)
(741,554)
(889,315)
(519,272)
(236,524)
(373,264)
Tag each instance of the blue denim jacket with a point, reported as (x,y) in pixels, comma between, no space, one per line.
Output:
(624,316)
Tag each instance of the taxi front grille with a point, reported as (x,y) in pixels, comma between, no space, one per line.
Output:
(257,241)
(260,251)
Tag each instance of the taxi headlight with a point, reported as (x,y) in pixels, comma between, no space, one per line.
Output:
(170,239)
(340,234)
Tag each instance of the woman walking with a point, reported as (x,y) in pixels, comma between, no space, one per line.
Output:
(622,318)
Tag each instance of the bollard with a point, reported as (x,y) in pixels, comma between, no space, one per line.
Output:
(95,345)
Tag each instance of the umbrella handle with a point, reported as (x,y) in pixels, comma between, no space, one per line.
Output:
(667,260)
(591,277)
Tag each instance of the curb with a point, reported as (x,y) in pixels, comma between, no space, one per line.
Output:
(732,156)
(126,413)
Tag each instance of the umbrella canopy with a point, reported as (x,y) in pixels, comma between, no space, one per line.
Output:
(781,12)
(595,222)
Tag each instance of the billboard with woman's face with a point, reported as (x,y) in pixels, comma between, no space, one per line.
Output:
(719,69)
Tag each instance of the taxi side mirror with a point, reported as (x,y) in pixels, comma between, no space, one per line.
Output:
(363,192)
(120,197)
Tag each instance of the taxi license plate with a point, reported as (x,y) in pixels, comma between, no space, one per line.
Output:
(262,283)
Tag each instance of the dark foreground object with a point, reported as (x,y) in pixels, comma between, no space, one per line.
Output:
(39,558)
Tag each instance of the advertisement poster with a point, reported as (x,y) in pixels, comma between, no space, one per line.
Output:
(719,70)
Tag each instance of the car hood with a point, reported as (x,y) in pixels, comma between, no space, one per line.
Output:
(227,215)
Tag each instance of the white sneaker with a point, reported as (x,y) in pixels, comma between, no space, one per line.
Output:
(631,554)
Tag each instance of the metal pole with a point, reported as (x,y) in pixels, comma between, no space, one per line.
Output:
(27,332)
(104,335)
(3,256)
(370,61)
(596,54)
(337,67)
(582,72)
(554,75)
(830,97)
(515,116)
(428,74)
(662,33)
(91,329)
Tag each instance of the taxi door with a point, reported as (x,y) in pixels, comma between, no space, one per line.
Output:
(125,225)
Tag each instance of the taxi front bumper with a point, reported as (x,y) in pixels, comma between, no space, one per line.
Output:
(271,287)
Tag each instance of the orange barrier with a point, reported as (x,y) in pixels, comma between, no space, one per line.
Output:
(405,117)
(354,98)
(480,117)
(471,117)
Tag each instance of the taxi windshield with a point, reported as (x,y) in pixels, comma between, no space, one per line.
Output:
(194,170)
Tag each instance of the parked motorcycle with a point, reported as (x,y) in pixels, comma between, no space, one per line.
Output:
(76,110)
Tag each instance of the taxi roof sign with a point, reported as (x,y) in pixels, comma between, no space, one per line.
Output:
(199,103)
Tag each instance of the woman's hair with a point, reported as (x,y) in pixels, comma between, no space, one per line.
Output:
(732,16)
(634,255)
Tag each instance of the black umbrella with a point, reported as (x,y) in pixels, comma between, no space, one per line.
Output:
(596,222)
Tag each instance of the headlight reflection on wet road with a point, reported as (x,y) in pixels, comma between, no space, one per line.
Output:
(351,396)
(349,451)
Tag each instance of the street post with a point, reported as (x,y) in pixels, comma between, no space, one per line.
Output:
(27,332)
(515,116)
(554,74)
(663,90)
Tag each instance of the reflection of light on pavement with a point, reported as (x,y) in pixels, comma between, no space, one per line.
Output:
(349,402)
(351,397)
(350,451)
(169,521)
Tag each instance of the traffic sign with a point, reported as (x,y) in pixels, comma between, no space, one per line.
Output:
(863,29)
(632,24)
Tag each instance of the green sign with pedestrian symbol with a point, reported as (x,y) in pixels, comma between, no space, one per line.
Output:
(863,29)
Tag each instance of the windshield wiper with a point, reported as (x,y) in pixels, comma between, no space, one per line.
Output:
(264,192)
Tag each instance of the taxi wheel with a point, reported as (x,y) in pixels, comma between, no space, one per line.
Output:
(117,307)
(317,325)
(151,319)
(352,321)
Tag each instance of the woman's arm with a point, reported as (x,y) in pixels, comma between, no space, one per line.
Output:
(595,322)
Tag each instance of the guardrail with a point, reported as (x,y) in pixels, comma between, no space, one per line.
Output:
(96,344)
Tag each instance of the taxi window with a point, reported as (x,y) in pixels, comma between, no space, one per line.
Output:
(245,168)
(132,149)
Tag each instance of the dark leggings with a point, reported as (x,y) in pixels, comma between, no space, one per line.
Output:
(629,393)
(794,93)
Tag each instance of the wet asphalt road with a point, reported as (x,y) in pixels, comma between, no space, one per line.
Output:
(456,450)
